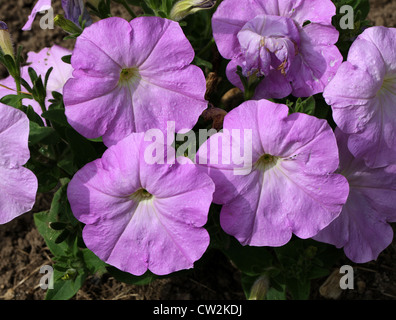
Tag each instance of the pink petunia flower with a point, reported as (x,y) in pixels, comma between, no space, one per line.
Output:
(41,62)
(18,185)
(362,228)
(131,77)
(139,215)
(290,43)
(363,97)
(291,187)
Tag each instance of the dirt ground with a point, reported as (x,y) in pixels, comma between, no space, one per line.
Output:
(23,251)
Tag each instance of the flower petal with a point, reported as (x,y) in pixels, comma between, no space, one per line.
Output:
(14,133)
(41,5)
(18,192)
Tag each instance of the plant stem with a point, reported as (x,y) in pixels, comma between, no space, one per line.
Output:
(18,89)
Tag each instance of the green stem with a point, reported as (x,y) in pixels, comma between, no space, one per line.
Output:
(43,109)
(18,89)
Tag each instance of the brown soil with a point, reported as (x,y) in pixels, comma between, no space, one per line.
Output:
(23,251)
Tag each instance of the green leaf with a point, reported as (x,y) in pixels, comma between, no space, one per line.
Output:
(33,116)
(67,59)
(10,65)
(277,293)
(60,212)
(92,262)
(13,99)
(67,165)
(47,76)
(62,236)
(252,261)
(306,106)
(32,74)
(42,221)
(82,149)
(128,278)
(56,115)
(38,134)
(57,225)
(202,63)
(65,287)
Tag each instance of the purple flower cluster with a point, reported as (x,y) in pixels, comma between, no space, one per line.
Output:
(363,96)
(297,175)
(289,43)
(302,179)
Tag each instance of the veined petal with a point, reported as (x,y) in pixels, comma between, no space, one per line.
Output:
(18,192)
(14,133)
(362,228)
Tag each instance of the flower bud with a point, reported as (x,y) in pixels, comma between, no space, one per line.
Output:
(183,8)
(5,40)
(66,24)
(260,288)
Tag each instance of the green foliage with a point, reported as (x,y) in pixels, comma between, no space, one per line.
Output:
(303,106)
(361,9)
(62,234)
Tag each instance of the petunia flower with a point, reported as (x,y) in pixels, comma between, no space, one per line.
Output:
(363,97)
(131,77)
(18,185)
(41,62)
(362,228)
(73,10)
(289,43)
(141,216)
(290,187)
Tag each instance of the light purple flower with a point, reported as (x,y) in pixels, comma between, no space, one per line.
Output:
(41,62)
(72,8)
(291,43)
(18,185)
(142,216)
(362,228)
(291,187)
(363,97)
(133,76)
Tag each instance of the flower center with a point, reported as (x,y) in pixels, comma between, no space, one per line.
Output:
(388,86)
(129,76)
(268,42)
(266,162)
(141,195)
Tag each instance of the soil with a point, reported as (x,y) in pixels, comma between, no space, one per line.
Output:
(23,251)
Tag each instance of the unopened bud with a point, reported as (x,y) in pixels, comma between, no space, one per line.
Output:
(5,40)
(183,8)
(66,24)
(260,288)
